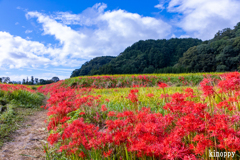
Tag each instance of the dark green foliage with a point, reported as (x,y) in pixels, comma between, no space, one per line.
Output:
(43,81)
(142,57)
(147,56)
(172,70)
(36,80)
(23,82)
(32,80)
(95,63)
(222,53)
(55,79)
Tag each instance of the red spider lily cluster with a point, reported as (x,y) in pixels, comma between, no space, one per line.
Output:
(11,88)
(192,124)
(183,81)
(133,96)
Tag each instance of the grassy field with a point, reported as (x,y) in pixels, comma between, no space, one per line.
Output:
(147,80)
(167,116)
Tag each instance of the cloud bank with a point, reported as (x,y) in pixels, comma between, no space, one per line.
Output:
(203,18)
(17,52)
(98,33)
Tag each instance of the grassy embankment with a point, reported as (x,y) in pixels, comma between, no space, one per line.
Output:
(16,102)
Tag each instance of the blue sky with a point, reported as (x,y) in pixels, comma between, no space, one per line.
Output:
(46,38)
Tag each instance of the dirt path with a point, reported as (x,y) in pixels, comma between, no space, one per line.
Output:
(27,141)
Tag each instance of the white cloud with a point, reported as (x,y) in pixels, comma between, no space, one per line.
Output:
(162,4)
(28,31)
(159,6)
(100,32)
(18,7)
(184,36)
(173,36)
(203,18)
(17,52)
(16,23)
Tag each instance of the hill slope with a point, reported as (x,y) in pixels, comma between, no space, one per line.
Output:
(142,57)
(95,63)
(222,53)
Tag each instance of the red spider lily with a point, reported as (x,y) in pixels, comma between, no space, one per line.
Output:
(82,154)
(189,93)
(103,108)
(107,154)
(164,96)
(133,96)
(111,114)
(81,113)
(162,85)
(11,88)
(150,95)
(53,138)
(206,87)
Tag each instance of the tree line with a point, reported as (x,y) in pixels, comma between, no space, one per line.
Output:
(31,81)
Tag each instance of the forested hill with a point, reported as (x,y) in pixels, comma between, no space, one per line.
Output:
(142,57)
(222,53)
(95,63)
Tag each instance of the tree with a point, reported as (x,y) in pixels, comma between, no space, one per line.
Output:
(55,79)
(150,69)
(36,80)
(23,81)
(93,64)
(27,81)
(0,80)
(42,81)
(16,82)
(222,68)
(32,80)
(5,79)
